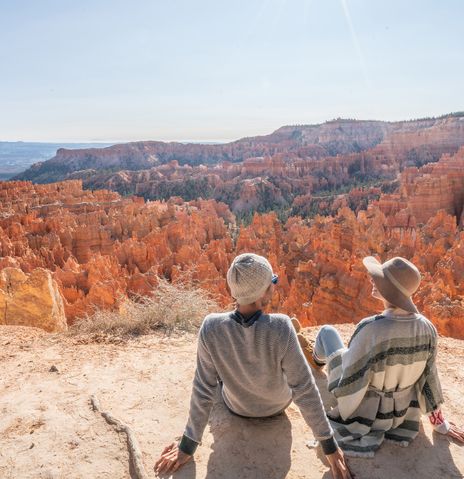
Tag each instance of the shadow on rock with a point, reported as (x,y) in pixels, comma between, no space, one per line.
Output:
(421,458)
(249,448)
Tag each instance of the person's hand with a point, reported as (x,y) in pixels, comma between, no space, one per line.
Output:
(171,459)
(338,465)
(456,433)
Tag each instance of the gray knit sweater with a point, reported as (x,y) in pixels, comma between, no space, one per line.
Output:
(262,368)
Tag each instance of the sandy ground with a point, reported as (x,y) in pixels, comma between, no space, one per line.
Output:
(48,429)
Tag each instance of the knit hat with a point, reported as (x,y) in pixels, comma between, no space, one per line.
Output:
(396,280)
(248,277)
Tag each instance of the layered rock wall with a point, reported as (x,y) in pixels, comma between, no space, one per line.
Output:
(270,171)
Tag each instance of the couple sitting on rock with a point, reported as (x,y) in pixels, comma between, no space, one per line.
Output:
(382,381)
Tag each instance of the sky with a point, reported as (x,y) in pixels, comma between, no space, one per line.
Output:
(214,70)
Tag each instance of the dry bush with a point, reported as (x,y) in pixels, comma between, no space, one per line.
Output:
(172,306)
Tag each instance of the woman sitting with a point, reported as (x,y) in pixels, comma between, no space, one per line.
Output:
(387,376)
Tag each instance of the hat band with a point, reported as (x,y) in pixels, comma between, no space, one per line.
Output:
(396,283)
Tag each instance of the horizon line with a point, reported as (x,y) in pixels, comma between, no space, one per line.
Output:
(456,113)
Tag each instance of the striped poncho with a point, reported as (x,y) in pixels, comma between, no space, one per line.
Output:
(383,381)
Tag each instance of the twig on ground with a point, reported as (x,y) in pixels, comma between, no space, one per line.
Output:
(73,384)
(135,455)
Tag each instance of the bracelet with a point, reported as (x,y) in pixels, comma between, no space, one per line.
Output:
(440,424)
(443,428)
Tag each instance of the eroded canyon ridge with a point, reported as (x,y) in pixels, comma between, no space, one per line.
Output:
(383,188)
(283,171)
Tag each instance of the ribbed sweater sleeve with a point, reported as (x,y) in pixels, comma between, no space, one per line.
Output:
(305,393)
(203,391)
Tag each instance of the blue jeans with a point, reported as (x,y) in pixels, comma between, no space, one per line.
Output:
(328,341)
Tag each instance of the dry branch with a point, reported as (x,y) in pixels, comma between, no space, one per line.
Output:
(135,455)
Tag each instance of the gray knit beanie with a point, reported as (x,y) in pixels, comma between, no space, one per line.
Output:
(248,277)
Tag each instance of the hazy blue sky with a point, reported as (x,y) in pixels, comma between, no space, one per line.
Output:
(79,70)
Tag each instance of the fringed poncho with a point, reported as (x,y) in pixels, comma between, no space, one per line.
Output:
(383,381)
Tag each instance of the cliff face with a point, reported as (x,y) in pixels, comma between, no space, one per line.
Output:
(269,171)
(423,191)
(31,300)
(100,247)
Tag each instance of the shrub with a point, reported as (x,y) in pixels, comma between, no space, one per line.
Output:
(172,306)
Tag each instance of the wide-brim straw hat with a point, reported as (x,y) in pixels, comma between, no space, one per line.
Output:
(396,280)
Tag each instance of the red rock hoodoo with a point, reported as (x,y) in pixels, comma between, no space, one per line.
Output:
(100,247)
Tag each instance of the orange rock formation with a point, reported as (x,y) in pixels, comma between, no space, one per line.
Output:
(265,172)
(31,300)
(101,247)
(423,191)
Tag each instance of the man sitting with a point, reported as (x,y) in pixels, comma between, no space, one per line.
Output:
(256,361)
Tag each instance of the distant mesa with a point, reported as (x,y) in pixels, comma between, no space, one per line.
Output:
(17,156)
(294,161)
